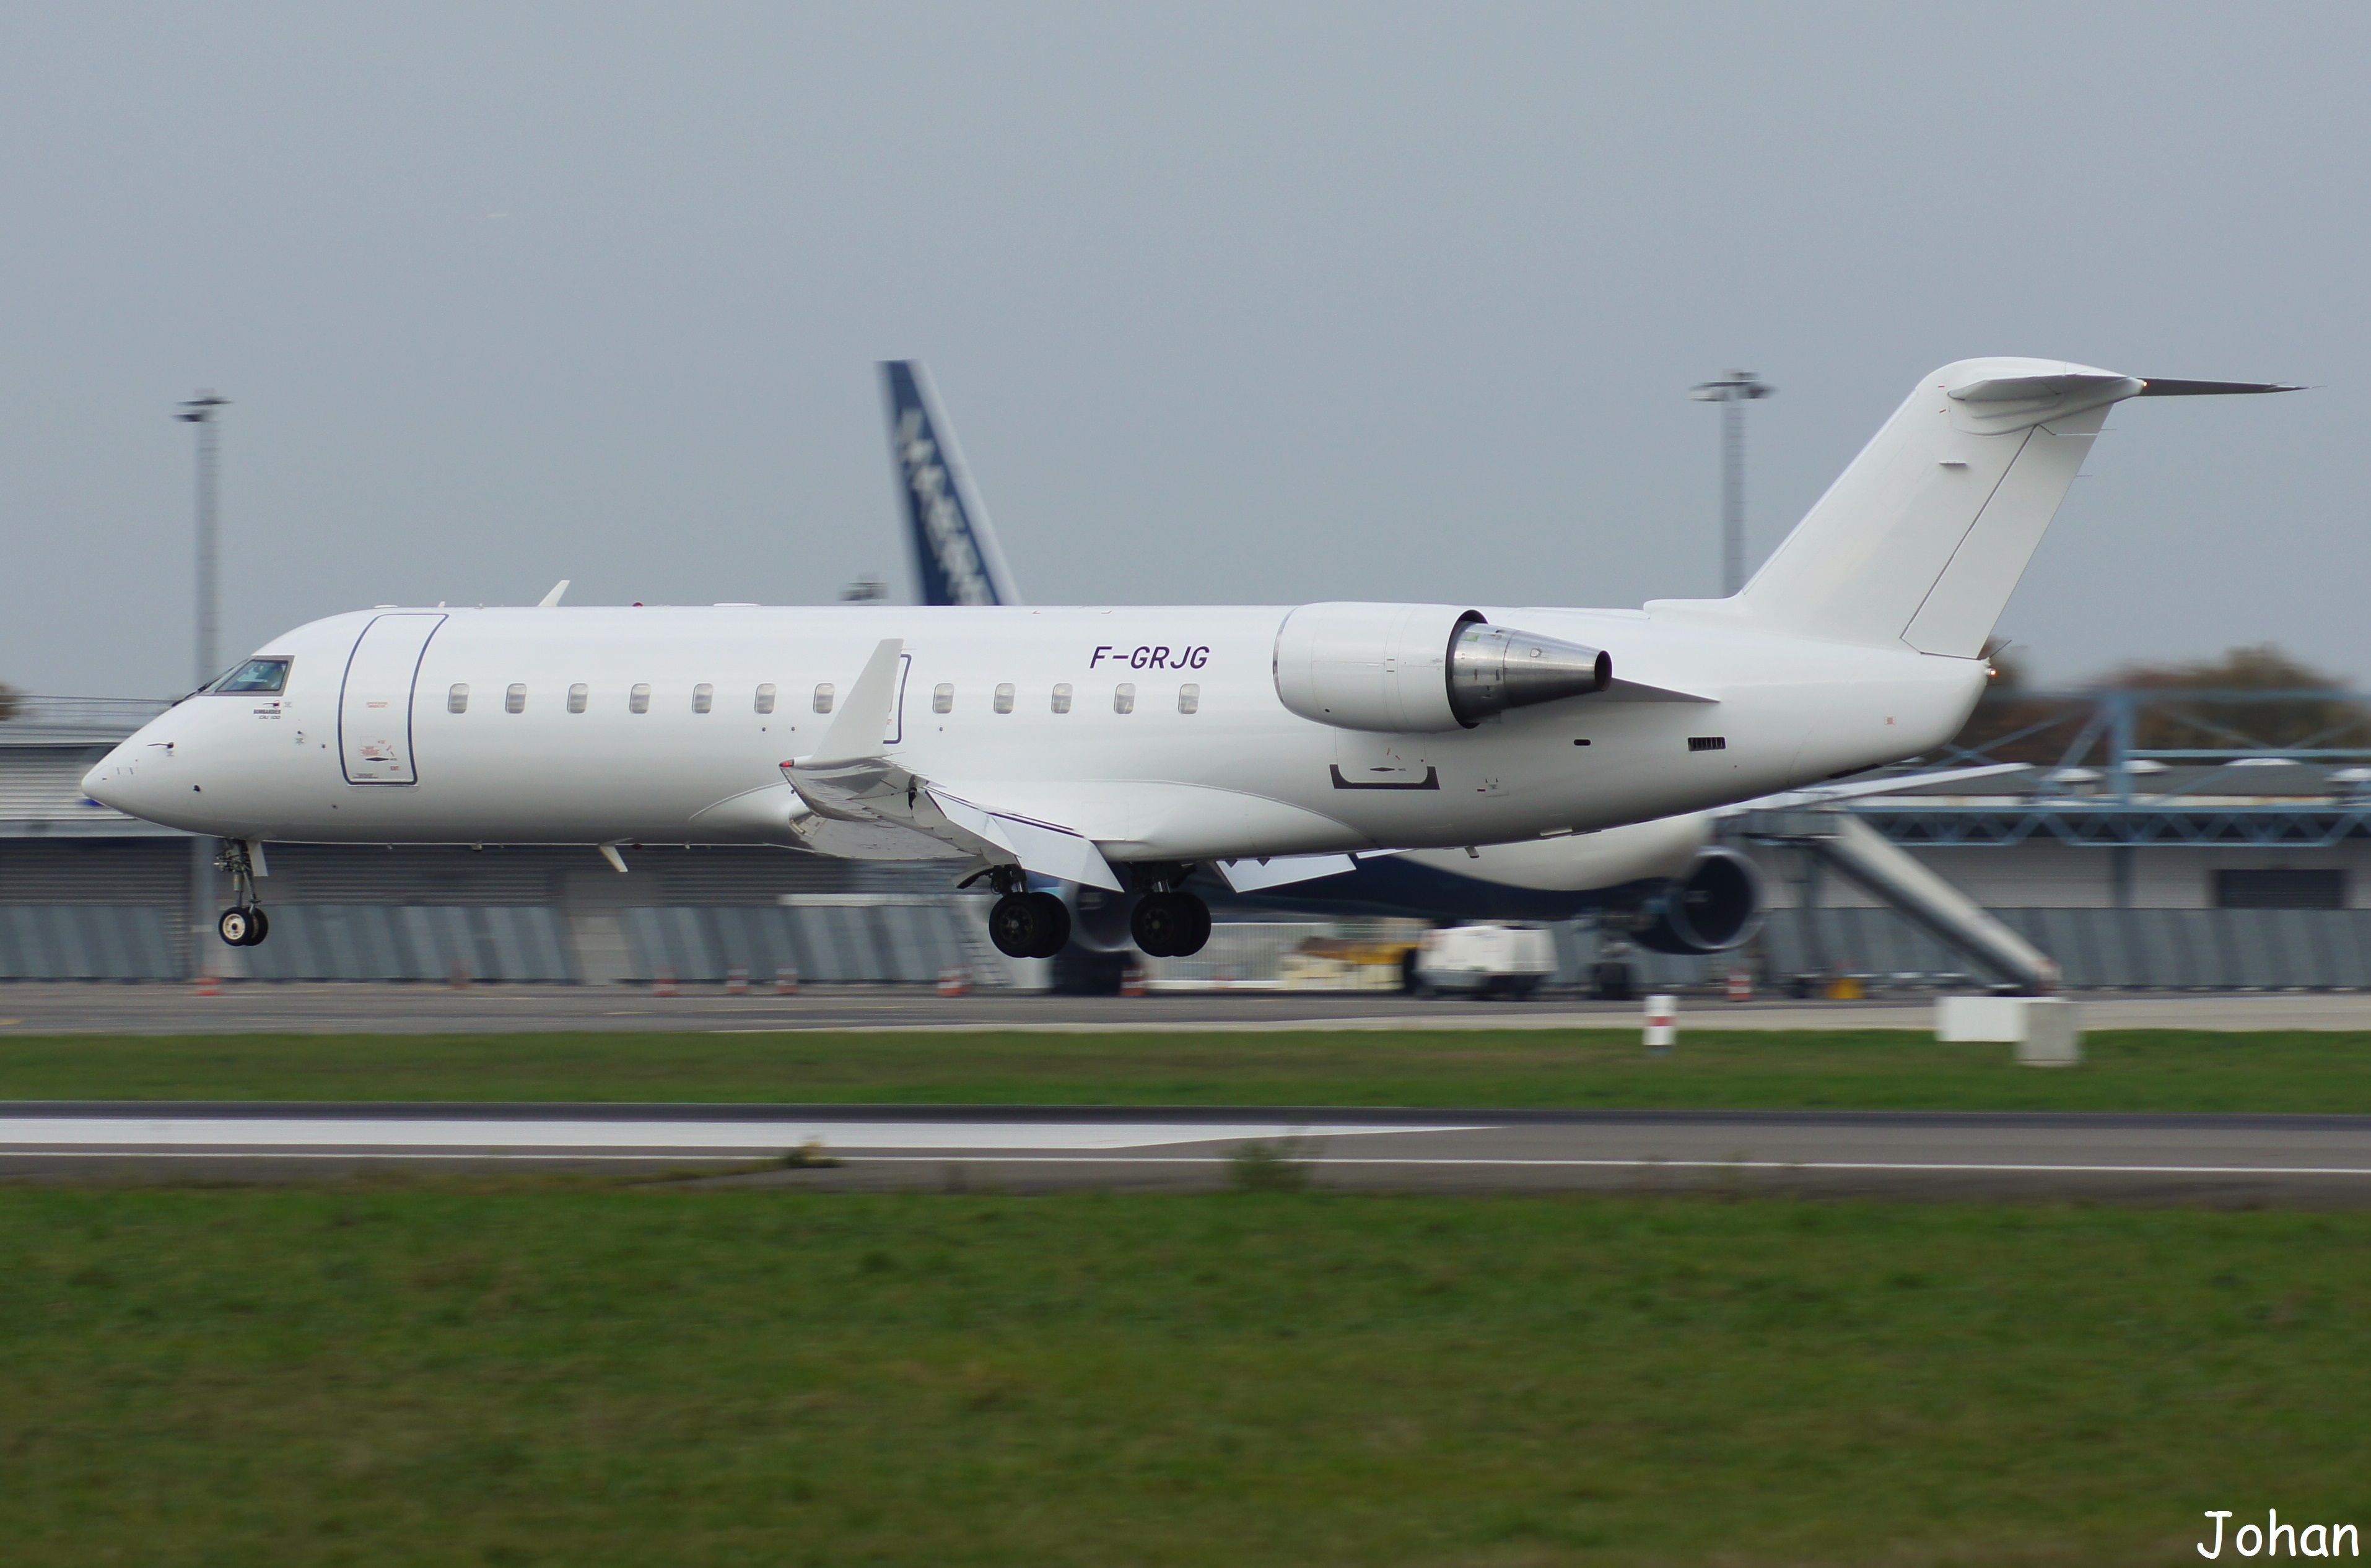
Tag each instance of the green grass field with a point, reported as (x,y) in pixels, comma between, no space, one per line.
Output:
(2140,1071)
(589,1373)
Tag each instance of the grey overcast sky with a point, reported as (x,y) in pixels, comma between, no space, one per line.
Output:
(1259,302)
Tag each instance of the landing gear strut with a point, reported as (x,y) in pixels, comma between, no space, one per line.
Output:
(244,924)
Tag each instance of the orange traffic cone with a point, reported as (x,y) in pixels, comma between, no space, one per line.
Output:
(662,983)
(786,979)
(209,986)
(954,980)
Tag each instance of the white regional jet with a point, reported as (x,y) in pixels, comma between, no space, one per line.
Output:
(1151,744)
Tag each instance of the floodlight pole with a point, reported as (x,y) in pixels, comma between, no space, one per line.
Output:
(200,411)
(1732,392)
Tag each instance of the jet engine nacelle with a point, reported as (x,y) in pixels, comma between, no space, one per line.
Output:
(1416,669)
(1715,906)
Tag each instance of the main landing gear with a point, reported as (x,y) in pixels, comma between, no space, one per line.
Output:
(1170,924)
(1029,925)
(244,924)
(1167,922)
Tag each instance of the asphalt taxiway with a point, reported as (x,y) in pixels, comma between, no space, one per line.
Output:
(2220,1160)
(83,1008)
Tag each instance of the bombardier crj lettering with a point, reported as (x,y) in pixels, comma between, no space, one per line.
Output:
(1136,749)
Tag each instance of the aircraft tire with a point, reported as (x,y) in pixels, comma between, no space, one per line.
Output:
(1053,917)
(239,926)
(259,927)
(1013,925)
(1198,934)
(1159,923)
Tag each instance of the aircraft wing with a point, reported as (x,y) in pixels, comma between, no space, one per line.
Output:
(847,779)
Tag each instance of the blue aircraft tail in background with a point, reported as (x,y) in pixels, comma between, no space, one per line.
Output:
(957,558)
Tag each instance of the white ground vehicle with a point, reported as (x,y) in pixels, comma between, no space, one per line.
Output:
(1484,959)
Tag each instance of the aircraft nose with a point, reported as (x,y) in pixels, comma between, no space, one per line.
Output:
(109,781)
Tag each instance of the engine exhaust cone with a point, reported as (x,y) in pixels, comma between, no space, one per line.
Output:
(1492,669)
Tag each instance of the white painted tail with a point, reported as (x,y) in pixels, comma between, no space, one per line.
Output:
(1923,537)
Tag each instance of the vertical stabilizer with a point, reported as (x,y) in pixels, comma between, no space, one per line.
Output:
(1923,539)
(957,558)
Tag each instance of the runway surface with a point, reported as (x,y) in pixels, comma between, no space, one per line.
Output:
(47,1007)
(2222,1159)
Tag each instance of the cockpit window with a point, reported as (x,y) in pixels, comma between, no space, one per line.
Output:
(256,675)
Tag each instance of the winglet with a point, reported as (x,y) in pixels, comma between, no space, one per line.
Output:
(552,599)
(862,720)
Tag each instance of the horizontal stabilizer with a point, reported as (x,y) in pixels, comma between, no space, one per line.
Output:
(2157,388)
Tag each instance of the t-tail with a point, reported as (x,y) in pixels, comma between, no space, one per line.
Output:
(957,558)
(1923,539)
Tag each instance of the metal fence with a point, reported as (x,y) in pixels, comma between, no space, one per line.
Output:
(893,939)
(886,939)
(368,941)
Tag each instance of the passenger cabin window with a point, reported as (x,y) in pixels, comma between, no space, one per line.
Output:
(823,696)
(256,677)
(703,697)
(457,699)
(1189,698)
(639,700)
(1004,698)
(515,699)
(576,696)
(766,697)
(942,698)
(1062,698)
(1124,697)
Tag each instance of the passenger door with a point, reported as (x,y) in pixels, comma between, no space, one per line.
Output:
(374,706)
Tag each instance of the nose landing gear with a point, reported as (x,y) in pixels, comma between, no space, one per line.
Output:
(244,924)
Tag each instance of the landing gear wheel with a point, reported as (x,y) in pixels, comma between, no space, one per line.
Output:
(1012,925)
(1053,924)
(241,925)
(1029,925)
(1170,924)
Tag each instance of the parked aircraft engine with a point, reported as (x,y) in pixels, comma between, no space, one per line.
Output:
(1416,669)
(1715,907)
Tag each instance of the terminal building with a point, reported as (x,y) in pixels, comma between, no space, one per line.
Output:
(2238,867)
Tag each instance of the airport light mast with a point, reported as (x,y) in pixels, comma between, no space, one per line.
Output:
(1732,392)
(200,411)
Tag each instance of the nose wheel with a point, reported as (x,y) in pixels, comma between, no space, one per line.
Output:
(1170,924)
(244,924)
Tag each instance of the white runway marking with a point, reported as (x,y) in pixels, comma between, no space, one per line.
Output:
(59,1133)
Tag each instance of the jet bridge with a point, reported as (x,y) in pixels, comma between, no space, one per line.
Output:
(1861,853)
